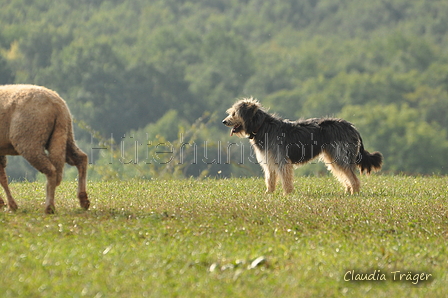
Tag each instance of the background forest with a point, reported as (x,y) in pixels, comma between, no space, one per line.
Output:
(148,82)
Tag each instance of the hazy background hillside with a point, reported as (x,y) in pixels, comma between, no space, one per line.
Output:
(149,81)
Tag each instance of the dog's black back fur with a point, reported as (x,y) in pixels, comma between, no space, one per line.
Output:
(302,140)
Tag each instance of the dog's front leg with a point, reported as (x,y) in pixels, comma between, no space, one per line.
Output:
(287,177)
(270,178)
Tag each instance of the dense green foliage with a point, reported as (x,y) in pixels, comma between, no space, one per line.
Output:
(124,65)
(225,238)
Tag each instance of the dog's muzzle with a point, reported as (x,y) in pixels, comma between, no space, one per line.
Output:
(235,128)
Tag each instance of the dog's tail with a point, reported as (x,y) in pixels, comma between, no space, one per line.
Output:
(369,161)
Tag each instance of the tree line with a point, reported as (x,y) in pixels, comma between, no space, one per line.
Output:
(137,74)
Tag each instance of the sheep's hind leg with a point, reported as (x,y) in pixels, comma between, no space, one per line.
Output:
(43,164)
(4,182)
(76,157)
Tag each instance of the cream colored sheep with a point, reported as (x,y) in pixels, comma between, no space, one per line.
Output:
(35,122)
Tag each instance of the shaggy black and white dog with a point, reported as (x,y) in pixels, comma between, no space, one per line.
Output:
(279,144)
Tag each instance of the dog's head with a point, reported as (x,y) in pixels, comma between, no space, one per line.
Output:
(245,117)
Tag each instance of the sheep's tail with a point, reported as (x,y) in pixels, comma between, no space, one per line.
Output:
(57,144)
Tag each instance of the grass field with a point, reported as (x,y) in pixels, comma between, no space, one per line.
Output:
(226,238)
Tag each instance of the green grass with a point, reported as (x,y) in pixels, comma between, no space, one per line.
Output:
(189,238)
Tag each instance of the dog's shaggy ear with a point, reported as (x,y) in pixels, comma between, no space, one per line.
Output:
(247,110)
(254,125)
(252,114)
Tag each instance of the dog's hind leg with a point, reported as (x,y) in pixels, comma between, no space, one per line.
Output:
(344,173)
(4,182)
(347,177)
(352,183)
(355,184)
(286,172)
